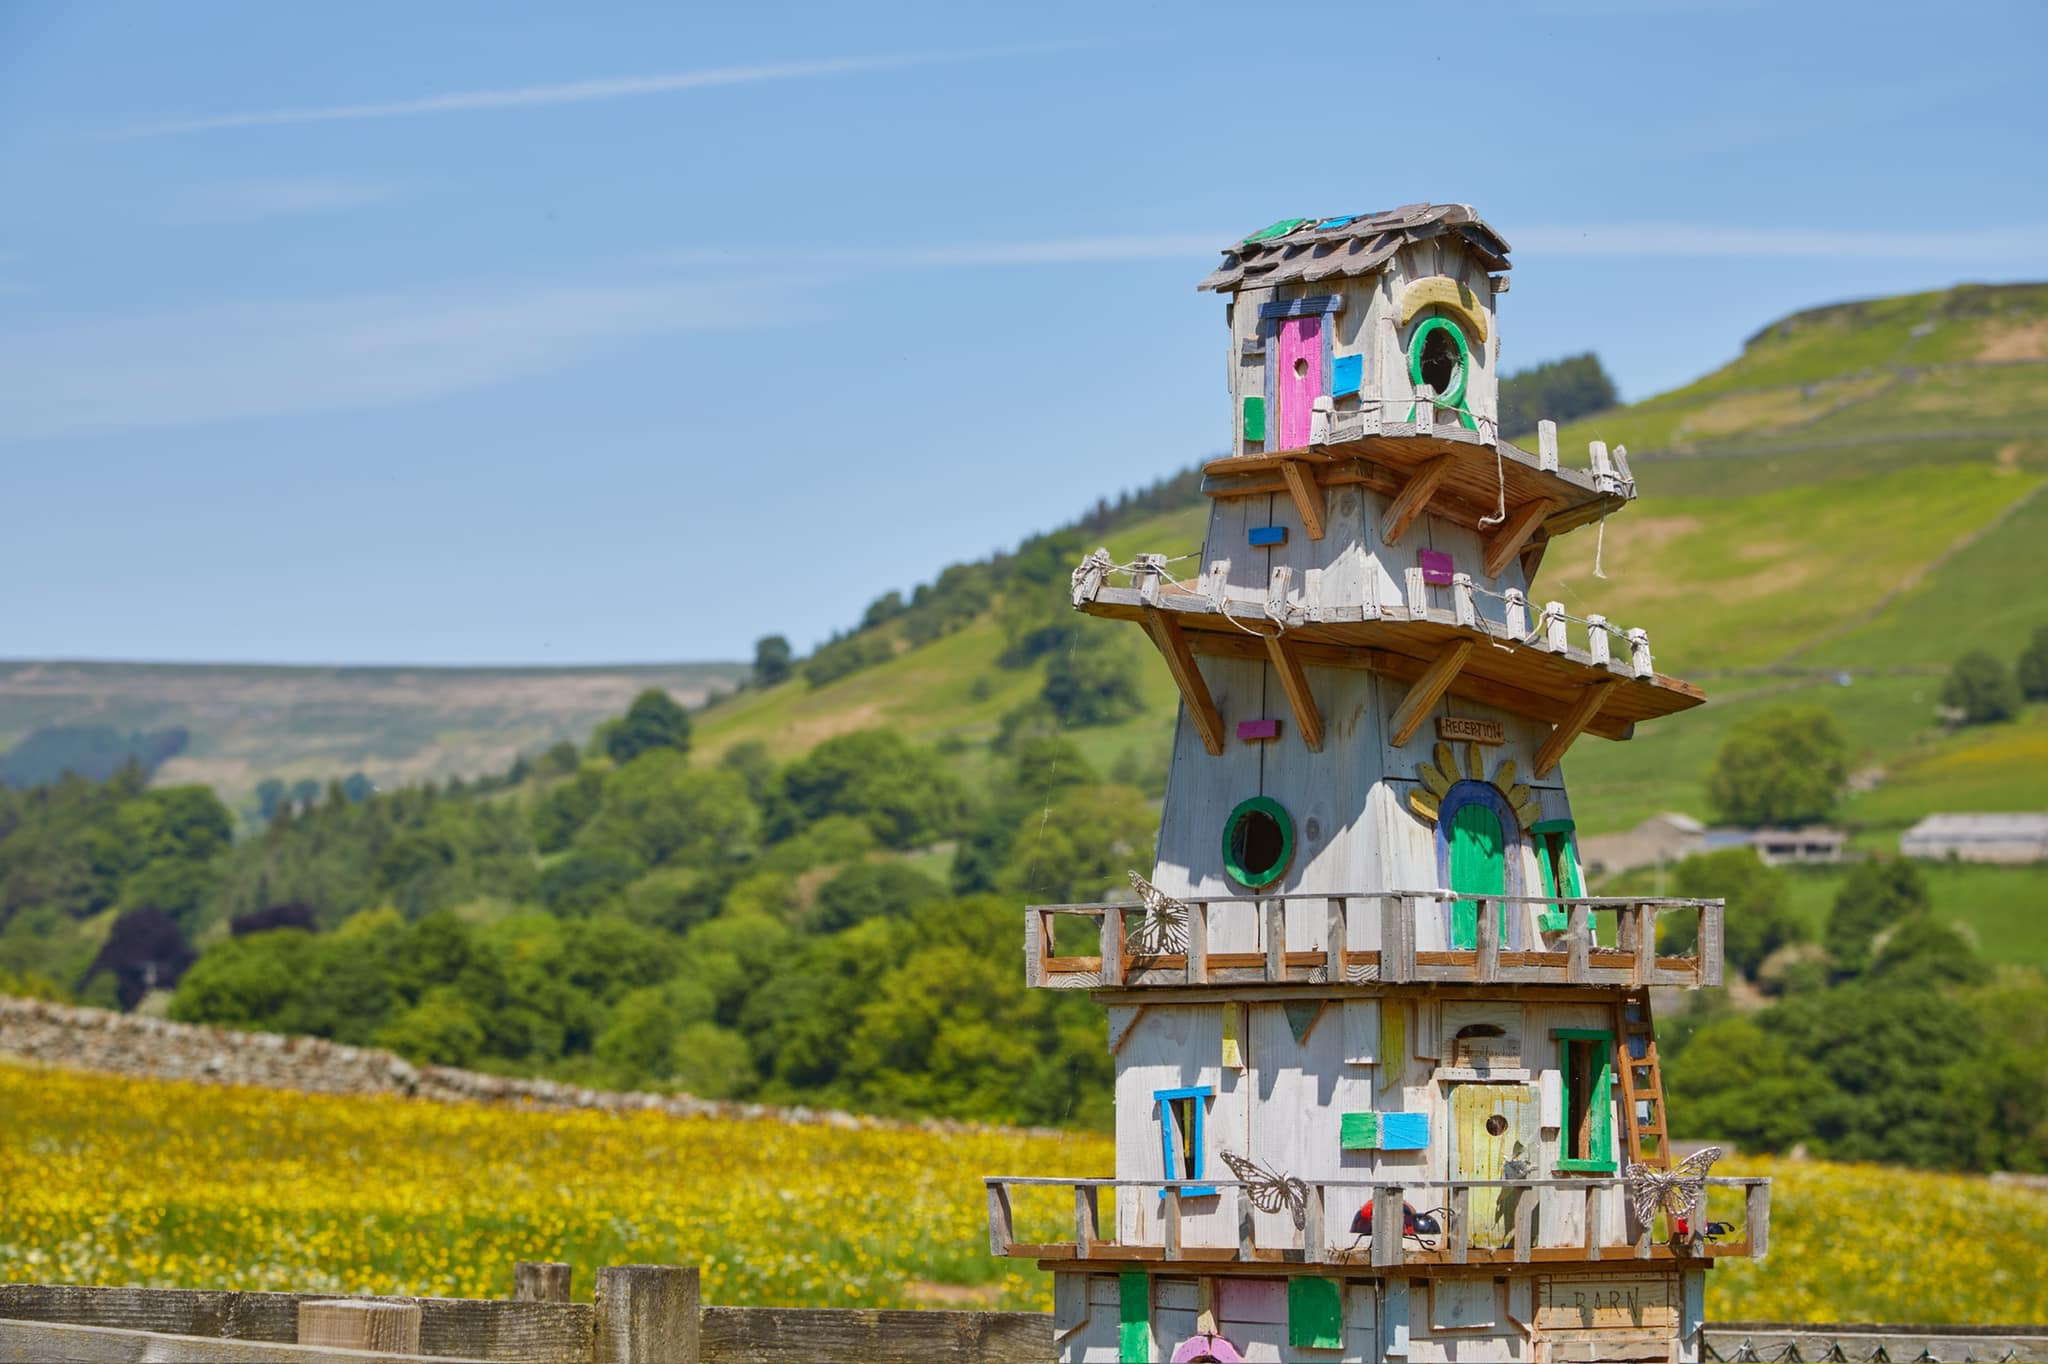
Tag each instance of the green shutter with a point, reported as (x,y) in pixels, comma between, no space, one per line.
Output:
(1254,418)
(1603,1110)
(1134,1315)
(1358,1131)
(1315,1314)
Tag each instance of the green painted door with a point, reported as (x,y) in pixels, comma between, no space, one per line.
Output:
(1479,866)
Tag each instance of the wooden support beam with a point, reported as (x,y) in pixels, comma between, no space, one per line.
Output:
(1295,683)
(1429,689)
(1507,542)
(1194,691)
(1308,494)
(1574,724)
(1413,499)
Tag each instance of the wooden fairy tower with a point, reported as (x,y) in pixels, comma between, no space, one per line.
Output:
(1386,1082)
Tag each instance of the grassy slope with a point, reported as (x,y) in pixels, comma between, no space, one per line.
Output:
(395,724)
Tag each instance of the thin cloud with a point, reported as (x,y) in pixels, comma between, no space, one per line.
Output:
(527,96)
(1746,243)
(249,200)
(955,255)
(284,358)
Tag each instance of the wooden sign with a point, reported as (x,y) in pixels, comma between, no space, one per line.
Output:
(1608,1300)
(1458,729)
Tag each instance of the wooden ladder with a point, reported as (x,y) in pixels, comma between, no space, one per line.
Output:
(1642,1081)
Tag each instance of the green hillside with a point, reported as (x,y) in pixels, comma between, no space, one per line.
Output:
(395,725)
(1852,499)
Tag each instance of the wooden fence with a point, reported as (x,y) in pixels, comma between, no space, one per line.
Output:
(650,1314)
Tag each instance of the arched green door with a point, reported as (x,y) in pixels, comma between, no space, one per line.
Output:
(1479,866)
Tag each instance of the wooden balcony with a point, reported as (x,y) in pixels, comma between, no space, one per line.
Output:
(1552,1220)
(1533,669)
(1367,938)
(1429,465)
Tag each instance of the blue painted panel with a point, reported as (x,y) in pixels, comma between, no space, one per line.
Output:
(1347,374)
(1197,1111)
(1314,306)
(1267,535)
(1404,1131)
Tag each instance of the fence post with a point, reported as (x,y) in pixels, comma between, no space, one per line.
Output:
(540,1281)
(647,1314)
(353,1324)
(1388,1214)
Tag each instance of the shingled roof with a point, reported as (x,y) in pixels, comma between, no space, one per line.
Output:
(1298,250)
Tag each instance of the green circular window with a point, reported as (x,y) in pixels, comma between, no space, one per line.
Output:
(1438,356)
(1258,840)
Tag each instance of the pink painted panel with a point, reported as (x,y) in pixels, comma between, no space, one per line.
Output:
(1251,1300)
(1300,379)
(1438,568)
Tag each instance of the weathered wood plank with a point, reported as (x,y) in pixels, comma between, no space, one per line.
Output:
(511,1332)
(1299,698)
(1571,727)
(647,1314)
(1413,499)
(1507,542)
(1172,644)
(550,1280)
(1310,500)
(352,1324)
(1428,689)
(42,1342)
(788,1335)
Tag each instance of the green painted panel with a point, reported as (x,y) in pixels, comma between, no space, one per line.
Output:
(1479,866)
(1358,1131)
(1279,229)
(1254,418)
(1301,1016)
(1315,1314)
(1134,1316)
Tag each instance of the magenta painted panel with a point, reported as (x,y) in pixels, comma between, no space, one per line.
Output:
(1255,730)
(1436,567)
(1251,1300)
(1299,381)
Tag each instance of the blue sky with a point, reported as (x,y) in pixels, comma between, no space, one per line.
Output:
(550,334)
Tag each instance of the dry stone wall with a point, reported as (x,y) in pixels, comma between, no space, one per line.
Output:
(155,1048)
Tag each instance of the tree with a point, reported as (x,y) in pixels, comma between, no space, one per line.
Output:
(712,1062)
(1083,847)
(773,660)
(1982,688)
(1921,952)
(654,720)
(145,951)
(903,791)
(1735,1081)
(1757,922)
(871,890)
(441,1030)
(1873,895)
(2031,672)
(666,811)
(1559,391)
(1785,766)
(1093,683)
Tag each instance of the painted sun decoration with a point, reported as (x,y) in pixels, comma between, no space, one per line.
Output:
(1439,776)
(1362,978)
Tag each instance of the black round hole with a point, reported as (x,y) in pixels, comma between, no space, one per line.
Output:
(1258,842)
(1440,360)
(1496,1126)
(1300,368)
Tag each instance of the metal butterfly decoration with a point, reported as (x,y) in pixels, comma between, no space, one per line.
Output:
(1165,926)
(1269,1190)
(1677,1193)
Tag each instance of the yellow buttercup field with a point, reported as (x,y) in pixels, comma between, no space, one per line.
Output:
(176,1185)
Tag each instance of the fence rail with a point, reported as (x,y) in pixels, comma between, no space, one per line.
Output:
(1545,1220)
(1358,938)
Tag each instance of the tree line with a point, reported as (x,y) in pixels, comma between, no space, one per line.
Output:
(625,915)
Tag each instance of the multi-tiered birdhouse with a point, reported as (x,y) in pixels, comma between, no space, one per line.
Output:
(1386,1081)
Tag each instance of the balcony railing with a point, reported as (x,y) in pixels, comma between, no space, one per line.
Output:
(1391,937)
(1532,1221)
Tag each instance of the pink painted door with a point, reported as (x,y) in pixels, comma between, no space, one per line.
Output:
(1300,380)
